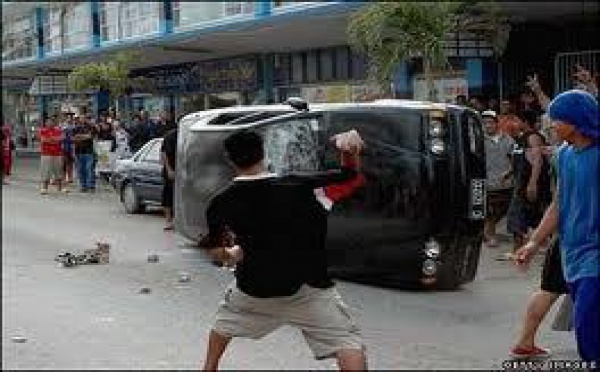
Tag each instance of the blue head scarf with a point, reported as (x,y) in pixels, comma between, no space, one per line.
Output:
(578,108)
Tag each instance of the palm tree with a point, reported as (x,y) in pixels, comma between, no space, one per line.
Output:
(111,76)
(390,32)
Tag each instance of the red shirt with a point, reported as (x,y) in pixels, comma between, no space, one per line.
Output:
(51,148)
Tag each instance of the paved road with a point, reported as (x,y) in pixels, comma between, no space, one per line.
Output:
(93,317)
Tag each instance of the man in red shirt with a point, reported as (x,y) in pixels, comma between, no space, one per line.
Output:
(51,163)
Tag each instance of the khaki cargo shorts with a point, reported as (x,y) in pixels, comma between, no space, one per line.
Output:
(321,314)
(51,167)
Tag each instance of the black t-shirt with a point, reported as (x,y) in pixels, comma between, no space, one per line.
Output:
(84,146)
(280,226)
(169,147)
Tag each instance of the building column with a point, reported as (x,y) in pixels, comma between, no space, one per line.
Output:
(401,82)
(95,22)
(100,102)
(42,107)
(166,17)
(262,8)
(265,75)
(39,27)
(474,76)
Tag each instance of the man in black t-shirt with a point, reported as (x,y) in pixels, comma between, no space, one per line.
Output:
(168,154)
(273,229)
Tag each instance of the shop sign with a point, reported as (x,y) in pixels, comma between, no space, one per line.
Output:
(336,93)
(446,88)
(203,77)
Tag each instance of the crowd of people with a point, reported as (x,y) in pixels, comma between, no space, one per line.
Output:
(71,143)
(524,143)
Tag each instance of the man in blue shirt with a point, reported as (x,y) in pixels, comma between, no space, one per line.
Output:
(575,212)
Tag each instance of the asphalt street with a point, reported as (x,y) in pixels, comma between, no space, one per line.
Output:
(93,316)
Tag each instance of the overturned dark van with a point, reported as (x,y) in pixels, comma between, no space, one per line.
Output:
(418,220)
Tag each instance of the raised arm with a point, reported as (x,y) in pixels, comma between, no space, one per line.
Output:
(350,145)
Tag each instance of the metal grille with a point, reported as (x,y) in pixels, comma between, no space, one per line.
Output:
(564,66)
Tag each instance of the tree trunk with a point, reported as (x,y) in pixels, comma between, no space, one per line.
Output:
(427,71)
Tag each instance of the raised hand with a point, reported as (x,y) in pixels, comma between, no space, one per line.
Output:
(533,83)
(581,75)
(349,141)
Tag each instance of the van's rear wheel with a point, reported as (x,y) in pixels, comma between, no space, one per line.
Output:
(449,276)
(460,265)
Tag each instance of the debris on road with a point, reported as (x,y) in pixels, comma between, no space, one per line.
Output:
(18,339)
(98,255)
(153,258)
(184,278)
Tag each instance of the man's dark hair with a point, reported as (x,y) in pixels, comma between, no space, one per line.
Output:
(244,148)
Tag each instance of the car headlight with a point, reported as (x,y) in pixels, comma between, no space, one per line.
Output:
(432,248)
(437,146)
(429,267)
(436,129)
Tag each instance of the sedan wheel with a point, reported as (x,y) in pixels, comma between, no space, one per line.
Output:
(130,200)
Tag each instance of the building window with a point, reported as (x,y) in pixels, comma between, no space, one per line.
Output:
(233,8)
(53,29)
(18,39)
(176,13)
(67,26)
(123,20)
(76,25)
(109,21)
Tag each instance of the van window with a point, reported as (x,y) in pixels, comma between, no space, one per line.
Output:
(394,163)
(400,129)
(292,145)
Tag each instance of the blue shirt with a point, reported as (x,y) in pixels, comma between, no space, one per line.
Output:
(579,211)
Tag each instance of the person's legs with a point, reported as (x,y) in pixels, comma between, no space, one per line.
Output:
(327,327)
(44,173)
(57,170)
(539,305)
(89,172)
(240,315)
(586,297)
(217,344)
(167,202)
(80,165)
(92,172)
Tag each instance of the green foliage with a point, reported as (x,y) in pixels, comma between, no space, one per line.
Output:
(111,76)
(390,32)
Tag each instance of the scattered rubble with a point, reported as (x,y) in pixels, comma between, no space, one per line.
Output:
(98,255)
(18,339)
(184,278)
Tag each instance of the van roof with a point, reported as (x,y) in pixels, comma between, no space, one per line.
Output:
(233,109)
(399,103)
